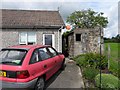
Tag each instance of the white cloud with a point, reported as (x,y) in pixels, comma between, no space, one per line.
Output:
(59,1)
(108,7)
(112,13)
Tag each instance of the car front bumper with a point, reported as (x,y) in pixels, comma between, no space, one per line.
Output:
(18,85)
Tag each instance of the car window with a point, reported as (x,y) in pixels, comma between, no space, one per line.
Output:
(35,57)
(44,53)
(52,51)
(12,57)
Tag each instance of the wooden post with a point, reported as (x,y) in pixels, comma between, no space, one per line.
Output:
(108,56)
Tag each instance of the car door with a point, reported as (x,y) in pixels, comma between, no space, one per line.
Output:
(47,62)
(35,65)
(56,58)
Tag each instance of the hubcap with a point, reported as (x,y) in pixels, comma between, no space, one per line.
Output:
(40,84)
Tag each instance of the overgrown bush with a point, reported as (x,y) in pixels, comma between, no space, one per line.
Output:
(90,73)
(91,60)
(107,81)
(80,60)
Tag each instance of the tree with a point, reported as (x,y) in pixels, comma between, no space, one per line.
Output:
(115,39)
(87,19)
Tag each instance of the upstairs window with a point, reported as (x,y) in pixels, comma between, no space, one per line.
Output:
(78,37)
(27,38)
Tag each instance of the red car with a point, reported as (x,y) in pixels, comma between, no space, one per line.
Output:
(29,66)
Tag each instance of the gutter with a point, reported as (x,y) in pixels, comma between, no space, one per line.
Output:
(59,30)
(31,27)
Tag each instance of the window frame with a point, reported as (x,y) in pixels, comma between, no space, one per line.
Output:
(40,55)
(23,58)
(40,59)
(53,39)
(32,56)
(26,36)
(20,38)
(79,38)
(53,50)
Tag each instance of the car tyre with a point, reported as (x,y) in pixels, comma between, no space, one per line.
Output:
(63,65)
(40,84)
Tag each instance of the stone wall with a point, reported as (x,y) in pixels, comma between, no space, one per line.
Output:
(10,37)
(71,45)
(90,41)
(57,42)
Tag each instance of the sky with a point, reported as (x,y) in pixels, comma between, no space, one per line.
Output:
(66,7)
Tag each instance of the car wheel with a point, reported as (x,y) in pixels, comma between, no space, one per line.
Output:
(63,65)
(40,84)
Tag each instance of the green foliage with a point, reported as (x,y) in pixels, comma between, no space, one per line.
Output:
(87,19)
(65,34)
(107,81)
(91,60)
(80,60)
(115,39)
(114,63)
(114,67)
(90,73)
(77,57)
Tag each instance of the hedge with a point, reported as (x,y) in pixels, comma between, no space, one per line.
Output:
(107,81)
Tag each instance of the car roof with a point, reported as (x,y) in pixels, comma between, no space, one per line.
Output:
(25,47)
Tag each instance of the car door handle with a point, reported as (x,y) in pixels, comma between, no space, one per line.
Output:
(45,66)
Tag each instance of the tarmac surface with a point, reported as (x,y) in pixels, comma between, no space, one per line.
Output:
(69,78)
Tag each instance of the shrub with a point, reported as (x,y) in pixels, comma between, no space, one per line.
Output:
(91,60)
(90,73)
(77,57)
(80,60)
(107,81)
(114,68)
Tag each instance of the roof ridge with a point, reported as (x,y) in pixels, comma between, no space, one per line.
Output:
(38,10)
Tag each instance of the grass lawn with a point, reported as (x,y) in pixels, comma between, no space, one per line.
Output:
(114,53)
(114,47)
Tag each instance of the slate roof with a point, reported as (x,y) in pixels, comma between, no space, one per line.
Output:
(31,19)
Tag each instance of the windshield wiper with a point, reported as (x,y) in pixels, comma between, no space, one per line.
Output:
(8,62)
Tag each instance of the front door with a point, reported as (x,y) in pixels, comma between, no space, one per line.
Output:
(48,39)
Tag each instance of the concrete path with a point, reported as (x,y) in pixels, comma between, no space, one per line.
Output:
(69,78)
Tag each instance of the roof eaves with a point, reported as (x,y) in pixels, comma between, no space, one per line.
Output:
(31,27)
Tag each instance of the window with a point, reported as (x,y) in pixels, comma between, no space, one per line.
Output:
(48,39)
(12,57)
(78,37)
(31,38)
(52,51)
(23,38)
(27,38)
(35,57)
(44,53)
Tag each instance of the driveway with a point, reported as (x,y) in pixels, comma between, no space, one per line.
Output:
(69,78)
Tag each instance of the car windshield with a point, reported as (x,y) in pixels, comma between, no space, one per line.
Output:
(12,56)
